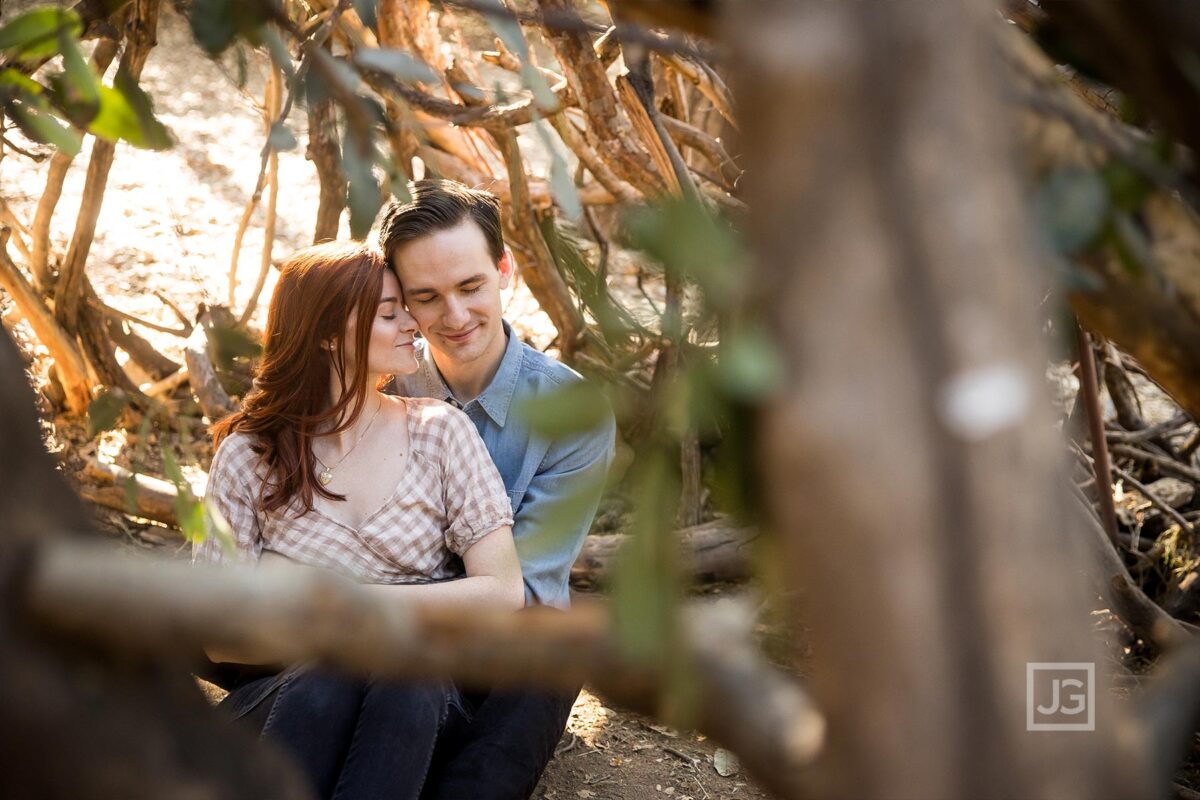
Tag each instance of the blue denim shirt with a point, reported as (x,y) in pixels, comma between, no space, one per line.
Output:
(554,483)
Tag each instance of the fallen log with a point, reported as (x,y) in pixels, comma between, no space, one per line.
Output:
(151,498)
(715,551)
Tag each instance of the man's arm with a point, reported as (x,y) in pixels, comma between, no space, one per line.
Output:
(557,511)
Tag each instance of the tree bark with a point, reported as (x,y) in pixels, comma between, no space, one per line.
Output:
(715,551)
(325,151)
(214,401)
(56,174)
(76,722)
(903,288)
(298,614)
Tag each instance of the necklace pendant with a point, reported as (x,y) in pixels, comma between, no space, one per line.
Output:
(325,477)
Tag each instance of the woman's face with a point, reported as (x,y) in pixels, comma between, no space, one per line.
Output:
(391,350)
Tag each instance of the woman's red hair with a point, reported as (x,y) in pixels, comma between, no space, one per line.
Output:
(304,347)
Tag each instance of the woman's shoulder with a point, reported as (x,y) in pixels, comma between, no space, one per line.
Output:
(237,453)
(436,421)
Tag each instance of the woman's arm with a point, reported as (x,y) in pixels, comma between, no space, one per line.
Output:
(493,578)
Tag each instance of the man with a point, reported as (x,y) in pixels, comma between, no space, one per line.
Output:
(447,248)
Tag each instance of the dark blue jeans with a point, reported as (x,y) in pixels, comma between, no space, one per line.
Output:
(355,739)
(496,745)
(359,739)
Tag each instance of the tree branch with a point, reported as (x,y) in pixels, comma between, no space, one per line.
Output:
(302,614)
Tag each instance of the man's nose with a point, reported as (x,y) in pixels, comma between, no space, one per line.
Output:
(456,315)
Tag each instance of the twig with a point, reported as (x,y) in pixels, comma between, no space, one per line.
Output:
(11,145)
(1147,492)
(571,22)
(1091,399)
(1162,462)
(273,101)
(1129,437)
(689,760)
(167,384)
(183,318)
(125,315)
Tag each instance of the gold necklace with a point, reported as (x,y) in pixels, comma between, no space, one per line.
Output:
(325,476)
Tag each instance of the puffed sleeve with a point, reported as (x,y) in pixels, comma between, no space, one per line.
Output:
(232,494)
(473,492)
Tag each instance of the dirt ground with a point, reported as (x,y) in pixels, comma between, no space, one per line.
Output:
(167,227)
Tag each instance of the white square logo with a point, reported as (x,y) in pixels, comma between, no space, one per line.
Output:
(1059,696)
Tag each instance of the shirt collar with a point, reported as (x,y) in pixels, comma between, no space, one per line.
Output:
(496,398)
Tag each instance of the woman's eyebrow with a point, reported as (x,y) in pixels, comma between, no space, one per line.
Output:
(383,300)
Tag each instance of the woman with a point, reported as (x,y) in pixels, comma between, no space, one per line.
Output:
(320,467)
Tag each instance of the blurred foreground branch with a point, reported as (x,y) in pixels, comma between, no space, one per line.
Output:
(302,614)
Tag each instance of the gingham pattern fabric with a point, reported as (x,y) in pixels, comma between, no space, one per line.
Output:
(449,497)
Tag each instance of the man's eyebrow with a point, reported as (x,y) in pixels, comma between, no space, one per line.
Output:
(473,279)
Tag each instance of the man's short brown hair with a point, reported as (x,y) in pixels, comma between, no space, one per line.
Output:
(439,205)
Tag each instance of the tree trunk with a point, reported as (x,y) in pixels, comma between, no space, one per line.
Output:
(75,722)
(903,298)
(325,151)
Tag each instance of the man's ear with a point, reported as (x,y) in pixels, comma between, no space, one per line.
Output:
(507,266)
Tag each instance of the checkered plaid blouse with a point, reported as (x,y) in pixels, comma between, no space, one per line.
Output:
(448,498)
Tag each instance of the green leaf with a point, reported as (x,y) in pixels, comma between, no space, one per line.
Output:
(561,182)
(281,138)
(131,493)
(278,50)
(126,113)
(172,469)
(398,63)
(33,117)
(189,513)
(572,408)
(105,410)
(1072,207)
(646,586)
(154,135)
(362,192)
(35,34)
(229,343)
(213,24)
(219,527)
(76,88)
(1131,245)
(12,77)
(750,366)
(685,238)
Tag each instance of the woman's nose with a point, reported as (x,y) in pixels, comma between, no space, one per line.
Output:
(408,322)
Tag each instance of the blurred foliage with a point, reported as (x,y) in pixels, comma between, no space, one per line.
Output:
(75,93)
(104,412)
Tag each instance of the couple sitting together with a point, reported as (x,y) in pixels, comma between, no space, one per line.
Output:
(434,494)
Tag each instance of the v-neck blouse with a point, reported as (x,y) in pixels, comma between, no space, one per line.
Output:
(448,496)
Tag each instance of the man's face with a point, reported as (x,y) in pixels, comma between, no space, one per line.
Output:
(452,287)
